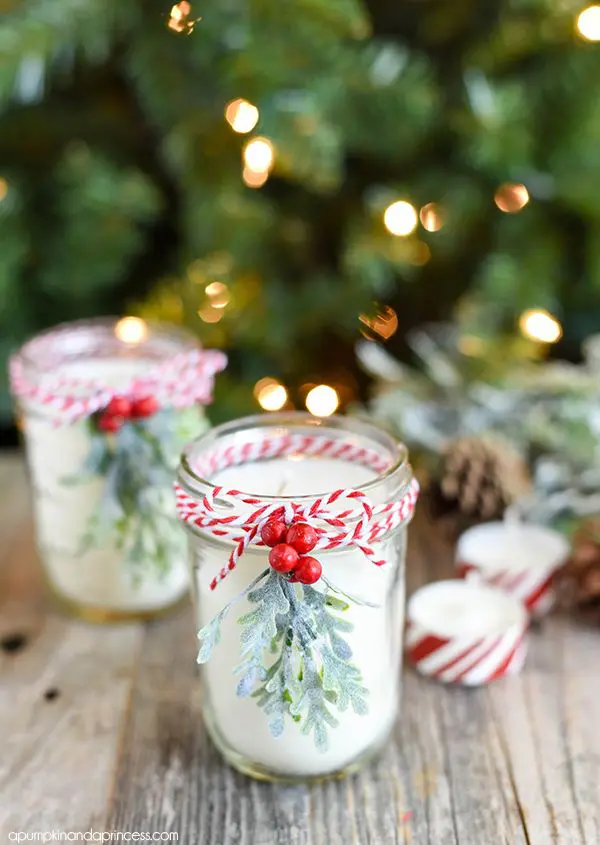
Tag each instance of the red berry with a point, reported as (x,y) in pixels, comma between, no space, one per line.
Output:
(144,407)
(119,406)
(283,558)
(110,424)
(308,571)
(302,537)
(273,532)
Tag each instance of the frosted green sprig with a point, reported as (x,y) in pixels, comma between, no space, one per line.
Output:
(294,660)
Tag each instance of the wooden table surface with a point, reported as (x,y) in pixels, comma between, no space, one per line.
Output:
(100,729)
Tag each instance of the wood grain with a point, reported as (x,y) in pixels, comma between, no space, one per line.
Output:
(62,695)
(122,746)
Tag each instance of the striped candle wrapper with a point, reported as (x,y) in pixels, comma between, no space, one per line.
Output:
(533,588)
(519,559)
(464,633)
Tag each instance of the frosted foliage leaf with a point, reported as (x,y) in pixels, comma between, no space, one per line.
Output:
(136,511)
(311,673)
(294,659)
(260,629)
(210,636)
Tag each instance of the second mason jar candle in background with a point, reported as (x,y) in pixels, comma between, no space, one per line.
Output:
(297,541)
(105,406)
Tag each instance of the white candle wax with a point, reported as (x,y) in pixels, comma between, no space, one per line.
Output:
(375,640)
(458,609)
(501,546)
(97,577)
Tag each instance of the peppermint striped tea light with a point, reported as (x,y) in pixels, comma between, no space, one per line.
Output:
(460,632)
(518,557)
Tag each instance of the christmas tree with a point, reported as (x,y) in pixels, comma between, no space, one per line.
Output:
(281,177)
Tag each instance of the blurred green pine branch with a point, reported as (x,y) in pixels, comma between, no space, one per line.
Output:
(122,179)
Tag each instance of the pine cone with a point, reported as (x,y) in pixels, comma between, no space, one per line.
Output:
(480,477)
(579,580)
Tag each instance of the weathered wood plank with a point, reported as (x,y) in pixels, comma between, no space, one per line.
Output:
(553,758)
(580,707)
(62,694)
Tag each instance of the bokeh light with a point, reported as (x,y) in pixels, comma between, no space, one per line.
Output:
(431,217)
(131,330)
(259,155)
(252,179)
(538,324)
(588,23)
(270,394)
(322,400)
(210,314)
(384,324)
(218,293)
(511,197)
(420,254)
(179,17)
(400,218)
(241,115)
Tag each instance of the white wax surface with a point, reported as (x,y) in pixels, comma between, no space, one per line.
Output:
(375,640)
(305,477)
(464,609)
(99,577)
(504,545)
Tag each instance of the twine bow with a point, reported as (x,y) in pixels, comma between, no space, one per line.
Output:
(359,523)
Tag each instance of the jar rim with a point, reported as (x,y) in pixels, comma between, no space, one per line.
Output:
(33,354)
(196,484)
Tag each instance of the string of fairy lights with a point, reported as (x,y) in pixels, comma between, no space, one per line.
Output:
(401,219)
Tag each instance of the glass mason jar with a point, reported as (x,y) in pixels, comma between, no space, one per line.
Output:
(102,440)
(305,678)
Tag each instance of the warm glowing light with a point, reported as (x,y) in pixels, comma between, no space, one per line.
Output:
(253,179)
(384,324)
(3,188)
(131,330)
(400,218)
(210,314)
(259,155)
(179,17)
(538,324)
(241,115)
(511,197)
(420,254)
(270,394)
(322,400)
(431,217)
(218,294)
(588,23)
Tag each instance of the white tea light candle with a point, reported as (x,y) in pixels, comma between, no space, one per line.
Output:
(465,633)
(518,557)
(304,678)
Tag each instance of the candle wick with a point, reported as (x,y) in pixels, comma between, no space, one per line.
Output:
(282,486)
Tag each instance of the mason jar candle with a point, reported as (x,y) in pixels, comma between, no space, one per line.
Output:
(105,406)
(297,537)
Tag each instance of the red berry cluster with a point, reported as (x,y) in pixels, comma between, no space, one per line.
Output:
(288,550)
(120,409)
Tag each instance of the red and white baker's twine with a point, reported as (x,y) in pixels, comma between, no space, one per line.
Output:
(341,518)
(183,380)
